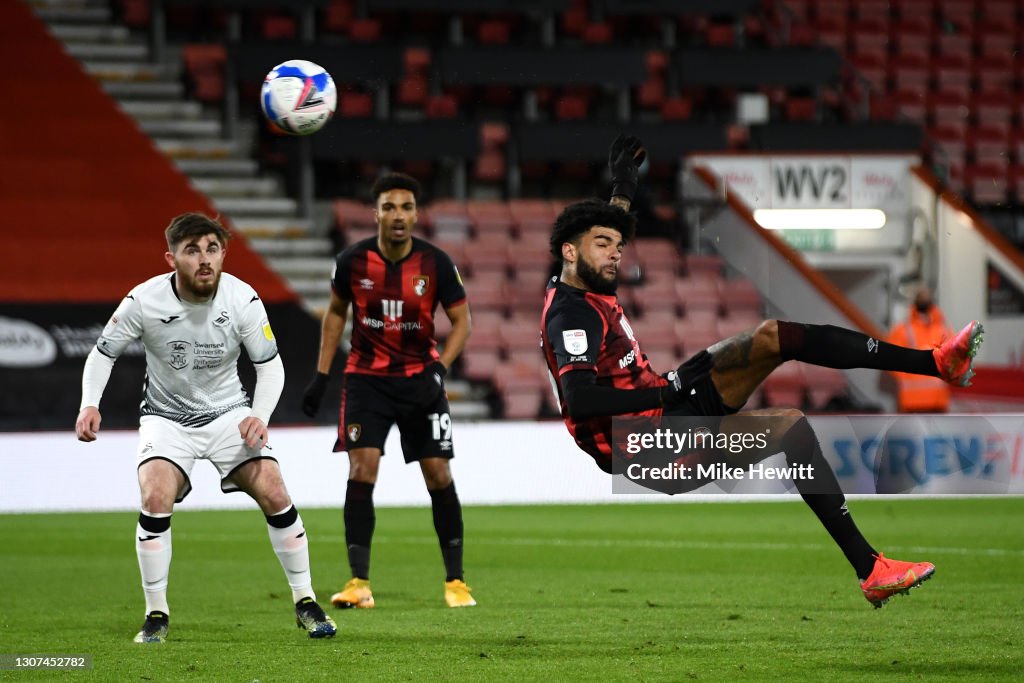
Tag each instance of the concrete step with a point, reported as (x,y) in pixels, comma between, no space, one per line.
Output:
(60,14)
(106,70)
(277,207)
(181,128)
(238,187)
(108,52)
(150,109)
(177,148)
(303,268)
(78,33)
(311,288)
(469,410)
(149,90)
(217,168)
(296,246)
(272,228)
(68,3)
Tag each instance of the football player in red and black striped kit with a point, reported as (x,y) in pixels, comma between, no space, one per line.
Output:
(394,375)
(601,371)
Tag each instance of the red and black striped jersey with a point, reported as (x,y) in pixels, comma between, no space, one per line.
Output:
(581,330)
(393,305)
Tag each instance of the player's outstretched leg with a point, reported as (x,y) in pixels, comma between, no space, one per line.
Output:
(880,577)
(894,577)
(154,629)
(310,616)
(838,347)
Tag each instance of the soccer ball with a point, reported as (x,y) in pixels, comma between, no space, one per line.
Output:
(298,97)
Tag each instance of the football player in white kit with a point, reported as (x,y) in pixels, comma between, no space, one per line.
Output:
(193,322)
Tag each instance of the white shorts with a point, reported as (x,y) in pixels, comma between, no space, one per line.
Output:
(219,442)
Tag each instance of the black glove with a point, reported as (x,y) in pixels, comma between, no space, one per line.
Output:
(430,383)
(681,381)
(314,394)
(624,159)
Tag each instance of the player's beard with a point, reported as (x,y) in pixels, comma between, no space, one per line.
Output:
(595,280)
(199,290)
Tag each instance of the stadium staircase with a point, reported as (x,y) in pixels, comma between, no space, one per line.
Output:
(190,134)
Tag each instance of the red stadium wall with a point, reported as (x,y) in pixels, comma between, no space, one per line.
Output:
(85,195)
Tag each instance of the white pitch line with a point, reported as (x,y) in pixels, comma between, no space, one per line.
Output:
(669,544)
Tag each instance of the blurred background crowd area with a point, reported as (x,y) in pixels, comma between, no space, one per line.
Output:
(504,111)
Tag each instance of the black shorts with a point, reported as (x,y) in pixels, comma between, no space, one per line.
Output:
(371,404)
(705,400)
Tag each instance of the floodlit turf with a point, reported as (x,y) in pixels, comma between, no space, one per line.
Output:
(648,592)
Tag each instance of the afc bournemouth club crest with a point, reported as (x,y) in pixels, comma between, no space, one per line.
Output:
(354,432)
(179,354)
(420,284)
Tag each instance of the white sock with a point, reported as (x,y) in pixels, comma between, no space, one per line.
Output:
(292,550)
(154,551)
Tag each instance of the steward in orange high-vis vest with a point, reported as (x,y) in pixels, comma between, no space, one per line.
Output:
(925,328)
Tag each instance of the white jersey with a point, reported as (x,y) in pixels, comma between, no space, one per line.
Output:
(191,349)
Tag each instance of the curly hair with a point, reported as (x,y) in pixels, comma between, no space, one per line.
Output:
(396,181)
(577,218)
(194,225)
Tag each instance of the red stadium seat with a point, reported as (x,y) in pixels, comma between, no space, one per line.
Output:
(355,105)
(949,111)
(913,39)
(990,146)
(986,184)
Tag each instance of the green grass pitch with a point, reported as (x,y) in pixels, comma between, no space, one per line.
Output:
(663,592)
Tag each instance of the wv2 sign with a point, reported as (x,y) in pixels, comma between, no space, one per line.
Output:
(804,183)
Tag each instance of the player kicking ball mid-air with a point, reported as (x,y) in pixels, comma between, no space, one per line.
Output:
(193,323)
(601,373)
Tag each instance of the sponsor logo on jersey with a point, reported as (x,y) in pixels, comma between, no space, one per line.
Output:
(208,354)
(354,432)
(222,320)
(392,308)
(366,283)
(169,319)
(445,445)
(375,324)
(575,341)
(420,284)
(628,359)
(179,354)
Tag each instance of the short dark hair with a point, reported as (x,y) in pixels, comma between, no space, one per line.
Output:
(577,218)
(194,225)
(396,181)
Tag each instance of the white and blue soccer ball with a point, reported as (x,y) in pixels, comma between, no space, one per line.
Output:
(298,97)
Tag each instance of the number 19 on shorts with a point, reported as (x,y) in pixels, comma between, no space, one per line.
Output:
(441,426)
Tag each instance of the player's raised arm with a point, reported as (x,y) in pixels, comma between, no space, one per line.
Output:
(625,156)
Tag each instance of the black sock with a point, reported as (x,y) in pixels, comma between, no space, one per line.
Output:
(838,347)
(823,495)
(448,524)
(359,522)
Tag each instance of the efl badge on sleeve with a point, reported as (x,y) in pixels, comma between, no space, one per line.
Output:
(420,284)
(575,342)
